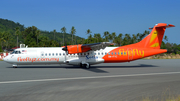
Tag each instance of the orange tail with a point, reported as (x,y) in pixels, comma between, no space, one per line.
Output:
(154,39)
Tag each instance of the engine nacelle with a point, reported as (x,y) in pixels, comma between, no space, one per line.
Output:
(72,49)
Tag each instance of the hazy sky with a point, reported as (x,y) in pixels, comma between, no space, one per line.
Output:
(120,16)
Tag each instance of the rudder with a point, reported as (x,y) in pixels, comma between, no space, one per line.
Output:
(154,39)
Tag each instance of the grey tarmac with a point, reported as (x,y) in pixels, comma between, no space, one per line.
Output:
(155,79)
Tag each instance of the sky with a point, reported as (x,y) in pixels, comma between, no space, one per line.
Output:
(120,16)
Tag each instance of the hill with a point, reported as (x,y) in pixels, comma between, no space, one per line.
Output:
(8,30)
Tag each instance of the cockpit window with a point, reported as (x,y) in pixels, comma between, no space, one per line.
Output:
(16,52)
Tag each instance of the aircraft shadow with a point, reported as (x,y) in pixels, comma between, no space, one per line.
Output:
(135,66)
(94,68)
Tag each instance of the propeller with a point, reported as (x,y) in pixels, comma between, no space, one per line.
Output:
(66,51)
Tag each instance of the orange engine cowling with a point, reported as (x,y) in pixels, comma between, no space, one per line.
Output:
(72,49)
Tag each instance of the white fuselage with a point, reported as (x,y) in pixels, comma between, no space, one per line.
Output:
(54,55)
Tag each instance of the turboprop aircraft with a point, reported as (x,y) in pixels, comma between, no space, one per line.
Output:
(89,54)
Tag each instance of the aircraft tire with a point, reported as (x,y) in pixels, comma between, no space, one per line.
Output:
(81,65)
(14,66)
(87,66)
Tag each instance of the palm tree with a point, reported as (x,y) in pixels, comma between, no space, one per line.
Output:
(1,38)
(134,38)
(88,32)
(165,38)
(90,37)
(7,39)
(120,39)
(17,33)
(54,33)
(110,37)
(138,37)
(73,31)
(96,36)
(99,37)
(37,34)
(63,30)
(106,35)
(113,36)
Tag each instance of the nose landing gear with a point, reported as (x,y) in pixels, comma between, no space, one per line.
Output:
(14,65)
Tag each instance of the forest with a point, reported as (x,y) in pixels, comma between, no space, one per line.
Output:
(12,34)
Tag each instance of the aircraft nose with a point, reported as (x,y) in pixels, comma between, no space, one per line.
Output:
(5,59)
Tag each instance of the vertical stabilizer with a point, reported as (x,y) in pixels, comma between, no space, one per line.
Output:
(154,39)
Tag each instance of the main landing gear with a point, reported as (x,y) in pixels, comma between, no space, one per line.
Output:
(85,65)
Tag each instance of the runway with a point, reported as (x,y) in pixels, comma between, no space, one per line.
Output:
(155,79)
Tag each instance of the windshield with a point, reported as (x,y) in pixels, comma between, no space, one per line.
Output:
(16,52)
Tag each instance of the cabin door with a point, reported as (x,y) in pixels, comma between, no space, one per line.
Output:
(130,53)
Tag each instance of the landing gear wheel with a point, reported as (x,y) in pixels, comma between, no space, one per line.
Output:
(15,65)
(87,66)
(81,65)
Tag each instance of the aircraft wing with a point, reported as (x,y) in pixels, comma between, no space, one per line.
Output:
(96,46)
(72,49)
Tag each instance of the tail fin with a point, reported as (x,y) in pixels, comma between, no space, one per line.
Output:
(154,39)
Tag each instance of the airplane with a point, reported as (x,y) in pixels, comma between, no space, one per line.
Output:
(89,54)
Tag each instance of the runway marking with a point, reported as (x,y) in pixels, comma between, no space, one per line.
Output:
(93,77)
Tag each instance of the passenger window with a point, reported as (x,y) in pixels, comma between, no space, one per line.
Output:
(19,52)
(98,53)
(112,53)
(115,53)
(52,54)
(109,53)
(102,53)
(49,54)
(118,53)
(42,54)
(105,53)
(84,53)
(63,54)
(59,54)
(56,54)
(46,54)
(94,53)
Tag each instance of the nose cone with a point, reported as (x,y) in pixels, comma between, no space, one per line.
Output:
(5,59)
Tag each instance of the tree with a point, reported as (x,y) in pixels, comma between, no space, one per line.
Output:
(1,39)
(17,33)
(110,37)
(1,49)
(6,37)
(88,32)
(63,30)
(31,36)
(134,38)
(37,34)
(113,36)
(54,33)
(165,38)
(106,33)
(120,39)
(96,37)
(73,31)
